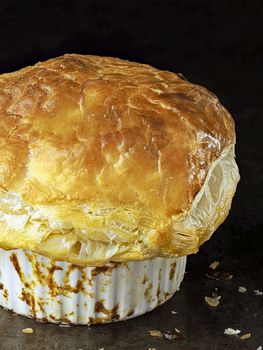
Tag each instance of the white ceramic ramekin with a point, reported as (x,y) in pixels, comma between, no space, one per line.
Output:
(37,287)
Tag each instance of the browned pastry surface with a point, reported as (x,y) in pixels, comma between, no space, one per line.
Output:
(113,151)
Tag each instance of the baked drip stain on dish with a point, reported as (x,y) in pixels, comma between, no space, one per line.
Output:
(65,293)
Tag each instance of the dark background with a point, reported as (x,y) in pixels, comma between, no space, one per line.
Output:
(217,44)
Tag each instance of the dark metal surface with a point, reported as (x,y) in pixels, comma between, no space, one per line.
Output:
(202,326)
(219,45)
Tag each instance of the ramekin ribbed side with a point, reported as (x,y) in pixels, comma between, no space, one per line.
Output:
(35,286)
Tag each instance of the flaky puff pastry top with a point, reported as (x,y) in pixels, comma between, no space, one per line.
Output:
(103,159)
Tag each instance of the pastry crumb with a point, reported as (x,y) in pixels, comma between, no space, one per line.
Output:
(242,289)
(156,333)
(245,336)
(258,292)
(169,336)
(27,330)
(174,312)
(213,301)
(214,265)
(176,334)
(231,331)
(151,349)
(220,276)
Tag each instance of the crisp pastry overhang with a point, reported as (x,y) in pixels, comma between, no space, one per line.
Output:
(84,234)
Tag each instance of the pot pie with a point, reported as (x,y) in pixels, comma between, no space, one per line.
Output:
(107,161)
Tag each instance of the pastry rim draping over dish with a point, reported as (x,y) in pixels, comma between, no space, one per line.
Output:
(103,159)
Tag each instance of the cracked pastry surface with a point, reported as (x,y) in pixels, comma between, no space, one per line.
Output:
(103,159)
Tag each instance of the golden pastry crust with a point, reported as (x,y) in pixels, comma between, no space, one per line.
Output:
(117,137)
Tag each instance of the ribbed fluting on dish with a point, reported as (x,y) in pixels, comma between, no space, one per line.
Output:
(37,287)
